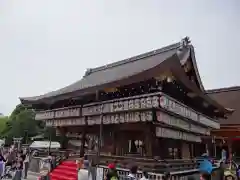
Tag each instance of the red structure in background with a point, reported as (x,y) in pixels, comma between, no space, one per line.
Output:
(228,135)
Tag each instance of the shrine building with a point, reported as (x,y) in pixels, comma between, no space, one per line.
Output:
(150,105)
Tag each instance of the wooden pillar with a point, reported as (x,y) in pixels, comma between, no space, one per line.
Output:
(114,141)
(61,132)
(120,143)
(149,139)
(83,139)
(191,149)
(207,148)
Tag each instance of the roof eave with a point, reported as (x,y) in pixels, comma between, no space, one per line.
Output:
(172,64)
(192,54)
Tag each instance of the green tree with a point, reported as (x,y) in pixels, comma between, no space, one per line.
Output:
(21,123)
(3,123)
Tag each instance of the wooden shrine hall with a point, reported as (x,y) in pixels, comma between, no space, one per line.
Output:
(150,105)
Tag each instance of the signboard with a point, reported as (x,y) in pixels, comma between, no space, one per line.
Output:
(72,112)
(127,117)
(118,107)
(177,108)
(123,104)
(59,113)
(66,122)
(177,122)
(182,110)
(174,134)
(44,115)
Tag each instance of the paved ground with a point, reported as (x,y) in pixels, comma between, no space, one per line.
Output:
(30,177)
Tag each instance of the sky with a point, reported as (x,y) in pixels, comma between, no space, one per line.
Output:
(48,44)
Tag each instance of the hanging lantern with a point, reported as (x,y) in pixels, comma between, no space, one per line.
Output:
(163,76)
(169,79)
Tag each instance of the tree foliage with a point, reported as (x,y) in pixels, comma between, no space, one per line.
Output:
(3,123)
(21,123)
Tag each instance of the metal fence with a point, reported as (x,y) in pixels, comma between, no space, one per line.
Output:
(98,173)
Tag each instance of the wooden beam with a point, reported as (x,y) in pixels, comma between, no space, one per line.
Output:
(226,133)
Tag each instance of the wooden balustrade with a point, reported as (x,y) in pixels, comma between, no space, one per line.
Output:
(149,164)
(174,175)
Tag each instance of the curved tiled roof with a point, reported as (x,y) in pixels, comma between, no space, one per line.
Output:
(114,71)
(125,71)
(228,97)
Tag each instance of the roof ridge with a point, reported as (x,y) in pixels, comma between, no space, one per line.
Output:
(225,89)
(134,58)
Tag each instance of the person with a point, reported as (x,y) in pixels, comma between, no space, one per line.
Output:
(19,168)
(133,173)
(145,176)
(83,171)
(205,176)
(10,157)
(112,172)
(25,156)
(52,160)
(2,165)
(206,168)
(166,176)
(221,170)
(224,155)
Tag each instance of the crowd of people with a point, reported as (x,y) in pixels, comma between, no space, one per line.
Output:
(205,167)
(14,163)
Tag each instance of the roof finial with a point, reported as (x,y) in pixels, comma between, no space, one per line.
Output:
(185,41)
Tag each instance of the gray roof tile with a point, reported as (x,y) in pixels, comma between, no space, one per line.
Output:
(114,71)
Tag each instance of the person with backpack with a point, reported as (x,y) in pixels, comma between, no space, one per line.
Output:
(205,168)
(112,172)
